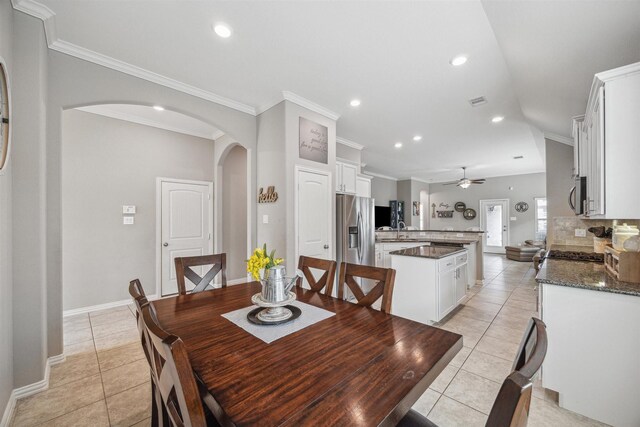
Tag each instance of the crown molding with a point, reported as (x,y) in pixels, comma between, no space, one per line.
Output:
(104,110)
(349,143)
(413,178)
(379,175)
(42,12)
(618,72)
(309,105)
(558,138)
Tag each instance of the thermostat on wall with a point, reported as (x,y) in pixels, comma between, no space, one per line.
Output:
(128,209)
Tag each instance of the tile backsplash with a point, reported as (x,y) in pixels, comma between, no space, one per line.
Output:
(564,229)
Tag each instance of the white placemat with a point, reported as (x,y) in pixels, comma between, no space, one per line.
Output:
(269,333)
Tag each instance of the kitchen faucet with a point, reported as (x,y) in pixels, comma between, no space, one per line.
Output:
(400,227)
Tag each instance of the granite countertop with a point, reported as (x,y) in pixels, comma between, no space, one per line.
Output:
(404,230)
(426,239)
(433,252)
(584,275)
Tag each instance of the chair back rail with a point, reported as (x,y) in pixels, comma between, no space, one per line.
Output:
(385,278)
(173,374)
(183,269)
(305,264)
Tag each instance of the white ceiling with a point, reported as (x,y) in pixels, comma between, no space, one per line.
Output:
(534,57)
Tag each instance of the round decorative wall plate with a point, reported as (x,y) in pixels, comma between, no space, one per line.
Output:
(460,206)
(469,214)
(522,207)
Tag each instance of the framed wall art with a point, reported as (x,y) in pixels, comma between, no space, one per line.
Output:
(313,143)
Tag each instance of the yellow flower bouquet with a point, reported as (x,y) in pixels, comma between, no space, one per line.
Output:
(259,261)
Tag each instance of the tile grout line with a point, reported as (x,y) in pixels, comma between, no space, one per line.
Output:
(104,393)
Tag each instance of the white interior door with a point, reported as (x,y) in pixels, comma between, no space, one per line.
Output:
(186,224)
(314,201)
(494,220)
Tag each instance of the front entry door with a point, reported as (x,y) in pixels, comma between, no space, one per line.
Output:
(185,228)
(314,214)
(494,220)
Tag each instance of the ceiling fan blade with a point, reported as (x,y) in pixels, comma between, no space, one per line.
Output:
(451,183)
(478,181)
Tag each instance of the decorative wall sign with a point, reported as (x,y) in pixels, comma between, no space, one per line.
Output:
(445,214)
(269,197)
(522,207)
(460,206)
(416,208)
(469,214)
(313,143)
(444,205)
(433,210)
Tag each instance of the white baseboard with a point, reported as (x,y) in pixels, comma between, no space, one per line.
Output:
(237,281)
(105,306)
(29,390)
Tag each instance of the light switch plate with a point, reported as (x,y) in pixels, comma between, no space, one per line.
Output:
(513,218)
(127,220)
(265,219)
(580,232)
(128,209)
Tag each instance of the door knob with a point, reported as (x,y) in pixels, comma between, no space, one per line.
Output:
(326,246)
(165,244)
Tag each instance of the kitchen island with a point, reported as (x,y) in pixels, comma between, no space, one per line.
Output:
(593,326)
(430,281)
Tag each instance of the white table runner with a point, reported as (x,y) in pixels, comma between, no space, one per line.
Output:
(269,333)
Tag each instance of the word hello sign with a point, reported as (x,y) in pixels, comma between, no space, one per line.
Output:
(269,197)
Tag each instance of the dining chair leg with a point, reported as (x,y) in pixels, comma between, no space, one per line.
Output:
(154,406)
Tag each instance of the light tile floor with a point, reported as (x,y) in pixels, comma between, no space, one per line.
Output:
(105,381)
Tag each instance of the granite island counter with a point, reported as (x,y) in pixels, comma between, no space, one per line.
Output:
(430,281)
(593,327)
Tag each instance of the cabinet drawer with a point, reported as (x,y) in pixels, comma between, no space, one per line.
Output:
(446,264)
(461,259)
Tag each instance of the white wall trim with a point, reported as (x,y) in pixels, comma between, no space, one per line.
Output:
(379,175)
(558,138)
(42,12)
(349,143)
(239,281)
(29,390)
(309,105)
(106,111)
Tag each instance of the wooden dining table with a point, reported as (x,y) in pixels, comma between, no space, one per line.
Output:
(359,367)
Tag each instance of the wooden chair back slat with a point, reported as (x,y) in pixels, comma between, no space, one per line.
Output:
(173,375)
(305,264)
(183,269)
(382,289)
(140,300)
(511,407)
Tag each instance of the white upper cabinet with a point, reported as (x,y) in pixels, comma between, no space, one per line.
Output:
(346,174)
(608,152)
(363,186)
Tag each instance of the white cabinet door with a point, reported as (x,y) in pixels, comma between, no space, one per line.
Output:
(349,175)
(595,185)
(577,141)
(338,178)
(446,293)
(363,187)
(461,283)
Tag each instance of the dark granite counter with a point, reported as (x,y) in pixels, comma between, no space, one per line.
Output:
(584,275)
(430,240)
(433,252)
(573,248)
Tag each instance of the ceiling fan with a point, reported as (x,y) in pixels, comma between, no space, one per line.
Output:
(465,182)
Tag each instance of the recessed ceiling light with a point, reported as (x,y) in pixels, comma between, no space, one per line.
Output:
(355,103)
(417,138)
(458,60)
(398,144)
(497,119)
(222,30)
(158,108)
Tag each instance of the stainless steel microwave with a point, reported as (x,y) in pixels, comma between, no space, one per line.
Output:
(578,195)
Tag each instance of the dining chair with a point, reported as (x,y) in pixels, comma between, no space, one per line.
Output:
(382,288)
(171,369)
(140,300)
(511,407)
(218,264)
(305,264)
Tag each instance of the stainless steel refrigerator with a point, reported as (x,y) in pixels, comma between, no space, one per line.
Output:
(355,226)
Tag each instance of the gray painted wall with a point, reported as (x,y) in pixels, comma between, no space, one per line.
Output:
(234,208)
(107,163)
(6,282)
(383,190)
(348,153)
(404,194)
(525,188)
(559,158)
(29,203)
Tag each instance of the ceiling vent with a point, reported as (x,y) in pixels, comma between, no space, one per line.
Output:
(475,102)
